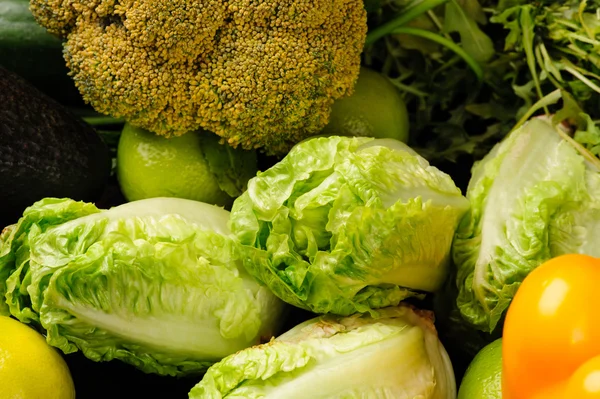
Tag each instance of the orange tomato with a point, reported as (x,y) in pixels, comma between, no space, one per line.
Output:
(585,383)
(551,329)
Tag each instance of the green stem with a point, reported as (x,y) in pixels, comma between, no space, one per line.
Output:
(582,78)
(581,38)
(102,120)
(437,23)
(407,88)
(450,63)
(549,99)
(582,7)
(582,71)
(565,23)
(450,45)
(527,25)
(408,15)
(591,158)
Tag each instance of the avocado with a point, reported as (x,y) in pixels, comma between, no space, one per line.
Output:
(45,151)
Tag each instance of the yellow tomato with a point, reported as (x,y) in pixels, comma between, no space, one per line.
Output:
(552,328)
(585,383)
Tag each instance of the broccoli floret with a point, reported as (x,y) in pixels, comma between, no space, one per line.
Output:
(259,73)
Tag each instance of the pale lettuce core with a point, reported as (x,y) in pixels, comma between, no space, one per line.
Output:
(533,197)
(396,355)
(344,225)
(156,283)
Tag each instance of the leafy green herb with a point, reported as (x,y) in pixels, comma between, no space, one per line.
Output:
(523,51)
(474,41)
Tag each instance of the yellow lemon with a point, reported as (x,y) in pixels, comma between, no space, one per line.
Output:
(29,367)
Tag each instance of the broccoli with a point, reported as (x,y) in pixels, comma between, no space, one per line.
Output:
(259,73)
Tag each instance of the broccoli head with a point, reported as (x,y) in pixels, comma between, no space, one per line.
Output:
(259,73)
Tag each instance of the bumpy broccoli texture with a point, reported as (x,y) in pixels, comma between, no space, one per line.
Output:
(259,73)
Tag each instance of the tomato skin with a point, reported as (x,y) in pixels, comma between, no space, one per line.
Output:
(551,327)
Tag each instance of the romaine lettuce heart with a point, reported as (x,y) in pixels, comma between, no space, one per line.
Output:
(344,225)
(394,355)
(533,197)
(156,283)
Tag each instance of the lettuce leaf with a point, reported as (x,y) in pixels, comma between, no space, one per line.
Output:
(14,241)
(395,355)
(344,225)
(155,283)
(533,197)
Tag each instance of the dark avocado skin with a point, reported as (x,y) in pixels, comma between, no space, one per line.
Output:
(45,151)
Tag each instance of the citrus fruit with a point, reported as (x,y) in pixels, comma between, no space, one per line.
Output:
(376,109)
(193,166)
(483,379)
(29,367)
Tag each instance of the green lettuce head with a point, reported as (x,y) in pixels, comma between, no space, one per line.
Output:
(155,283)
(344,225)
(533,197)
(394,355)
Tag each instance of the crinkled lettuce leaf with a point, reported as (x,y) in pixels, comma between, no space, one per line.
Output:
(533,197)
(14,245)
(395,355)
(156,283)
(344,225)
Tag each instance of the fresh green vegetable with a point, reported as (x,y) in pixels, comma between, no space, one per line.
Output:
(21,37)
(441,56)
(155,283)
(194,166)
(560,41)
(534,197)
(375,109)
(259,74)
(44,150)
(344,225)
(395,355)
(510,55)
(27,50)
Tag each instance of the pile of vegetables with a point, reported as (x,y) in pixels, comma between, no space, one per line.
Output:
(307,199)
(164,285)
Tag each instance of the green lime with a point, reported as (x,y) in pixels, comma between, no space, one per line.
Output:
(376,109)
(193,166)
(483,379)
